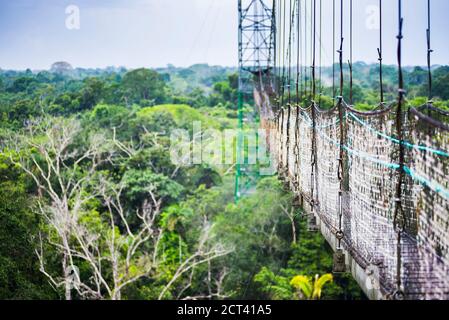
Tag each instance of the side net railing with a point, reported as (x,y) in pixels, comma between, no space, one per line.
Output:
(369,170)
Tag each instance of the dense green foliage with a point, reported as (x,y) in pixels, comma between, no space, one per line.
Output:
(133,113)
(19,270)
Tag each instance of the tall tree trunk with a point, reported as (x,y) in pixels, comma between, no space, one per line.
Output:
(67,281)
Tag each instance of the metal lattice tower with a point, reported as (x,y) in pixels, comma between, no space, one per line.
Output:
(256,41)
(256,48)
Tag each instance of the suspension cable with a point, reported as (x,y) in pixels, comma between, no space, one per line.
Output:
(298,48)
(314,53)
(312,34)
(429,51)
(283,52)
(313,149)
(399,217)
(321,52)
(280,138)
(351,92)
(296,151)
(340,51)
(380,53)
(278,54)
(291,19)
(340,170)
(305,72)
(271,81)
(333,49)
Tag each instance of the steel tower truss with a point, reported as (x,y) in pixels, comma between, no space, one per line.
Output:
(256,54)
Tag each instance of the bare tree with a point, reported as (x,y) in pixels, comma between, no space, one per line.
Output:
(68,178)
(291,216)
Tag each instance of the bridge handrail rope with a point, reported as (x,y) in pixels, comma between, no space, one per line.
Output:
(438,110)
(419,113)
(433,185)
(398,141)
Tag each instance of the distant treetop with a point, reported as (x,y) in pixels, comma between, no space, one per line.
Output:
(61,67)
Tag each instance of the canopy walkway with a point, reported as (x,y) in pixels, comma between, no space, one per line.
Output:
(376,184)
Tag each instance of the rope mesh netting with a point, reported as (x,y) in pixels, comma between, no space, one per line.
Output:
(378,181)
(370,178)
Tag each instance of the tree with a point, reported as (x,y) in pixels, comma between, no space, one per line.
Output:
(92,93)
(143,84)
(23,84)
(86,217)
(61,67)
(19,276)
(440,87)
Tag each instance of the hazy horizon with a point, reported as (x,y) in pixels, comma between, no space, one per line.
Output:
(209,65)
(154,33)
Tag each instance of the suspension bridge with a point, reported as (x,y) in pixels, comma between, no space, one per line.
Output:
(375,183)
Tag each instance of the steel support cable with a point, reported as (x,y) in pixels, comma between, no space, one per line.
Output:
(429,52)
(283,53)
(314,54)
(351,80)
(296,151)
(312,48)
(382,107)
(340,170)
(278,54)
(291,18)
(313,161)
(399,219)
(287,160)
(333,49)
(340,176)
(320,64)
(340,51)
(298,49)
(281,144)
(380,54)
(305,72)
(321,53)
(289,52)
(273,41)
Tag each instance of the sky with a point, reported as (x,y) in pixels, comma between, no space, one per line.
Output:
(154,33)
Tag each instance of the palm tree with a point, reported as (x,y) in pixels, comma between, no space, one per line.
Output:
(311,290)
